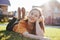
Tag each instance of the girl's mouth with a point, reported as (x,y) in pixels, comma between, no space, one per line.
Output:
(31,18)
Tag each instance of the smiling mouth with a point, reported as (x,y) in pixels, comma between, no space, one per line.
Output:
(31,18)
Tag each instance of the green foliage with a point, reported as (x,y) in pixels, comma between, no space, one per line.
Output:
(51,32)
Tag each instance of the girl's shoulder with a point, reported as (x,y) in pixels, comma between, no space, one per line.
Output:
(23,21)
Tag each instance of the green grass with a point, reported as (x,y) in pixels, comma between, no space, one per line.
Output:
(10,35)
(52,33)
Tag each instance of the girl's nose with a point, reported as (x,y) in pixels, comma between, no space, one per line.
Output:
(32,16)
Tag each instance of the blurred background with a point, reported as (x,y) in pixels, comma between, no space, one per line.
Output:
(50,8)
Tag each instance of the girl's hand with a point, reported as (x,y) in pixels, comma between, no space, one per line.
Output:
(41,19)
(44,38)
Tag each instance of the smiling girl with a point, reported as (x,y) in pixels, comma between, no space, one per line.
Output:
(33,26)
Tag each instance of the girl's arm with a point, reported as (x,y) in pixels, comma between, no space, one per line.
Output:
(26,34)
(42,24)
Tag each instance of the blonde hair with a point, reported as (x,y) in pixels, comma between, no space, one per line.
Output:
(39,9)
(35,8)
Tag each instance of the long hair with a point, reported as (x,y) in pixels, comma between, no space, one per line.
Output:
(40,23)
(41,15)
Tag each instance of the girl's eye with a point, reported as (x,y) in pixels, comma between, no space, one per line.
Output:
(31,13)
(36,16)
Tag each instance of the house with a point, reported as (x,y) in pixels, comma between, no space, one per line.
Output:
(4,9)
(51,12)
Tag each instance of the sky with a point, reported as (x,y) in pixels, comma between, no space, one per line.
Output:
(27,4)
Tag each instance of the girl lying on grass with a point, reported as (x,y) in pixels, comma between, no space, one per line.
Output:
(33,26)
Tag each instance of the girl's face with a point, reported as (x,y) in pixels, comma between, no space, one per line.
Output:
(33,15)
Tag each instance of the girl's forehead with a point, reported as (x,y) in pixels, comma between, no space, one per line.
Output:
(35,11)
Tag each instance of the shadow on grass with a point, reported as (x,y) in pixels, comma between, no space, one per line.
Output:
(9,35)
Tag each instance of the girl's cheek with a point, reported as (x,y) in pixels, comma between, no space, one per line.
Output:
(36,18)
(29,16)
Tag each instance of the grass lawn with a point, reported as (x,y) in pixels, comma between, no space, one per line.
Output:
(52,33)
